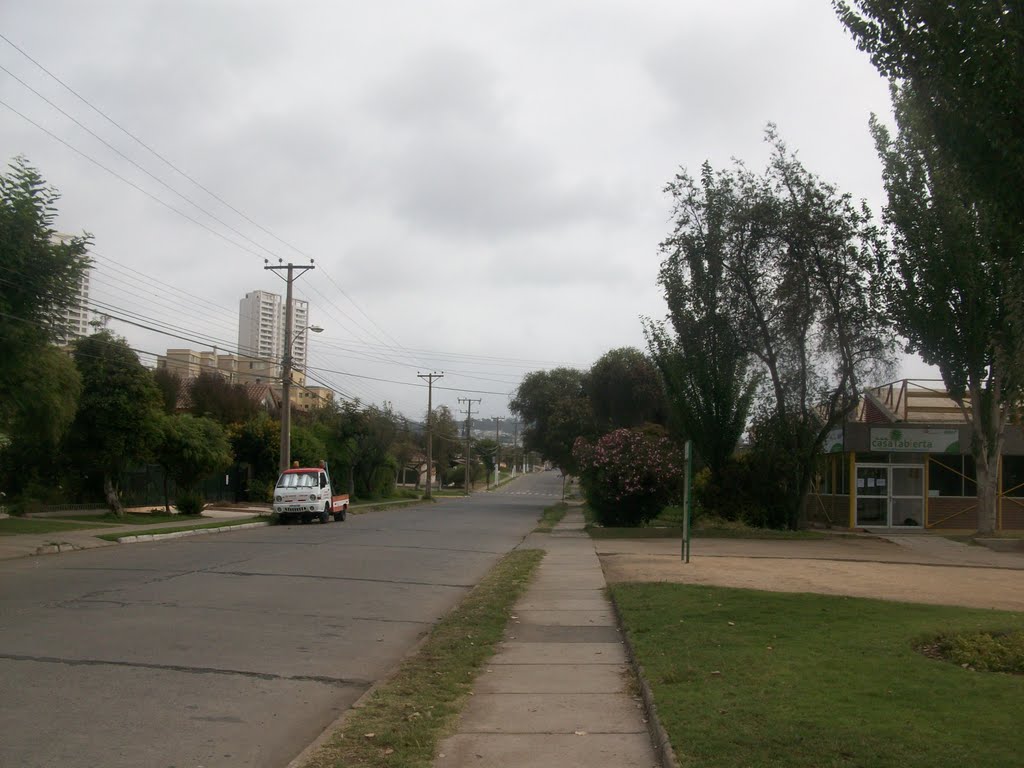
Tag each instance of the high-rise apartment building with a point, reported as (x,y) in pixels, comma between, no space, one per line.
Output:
(261,333)
(72,322)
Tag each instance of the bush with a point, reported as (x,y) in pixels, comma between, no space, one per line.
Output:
(261,491)
(628,476)
(190,503)
(982,651)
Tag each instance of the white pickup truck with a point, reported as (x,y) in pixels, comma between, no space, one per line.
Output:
(305,493)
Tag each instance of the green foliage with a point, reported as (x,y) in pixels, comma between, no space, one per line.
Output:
(192,448)
(947,285)
(169,384)
(1001,651)
(119,416)
(257,444)
(189,503)
(625,390)
(628,476)
(306,446)
(780,262)
(41,274)
(556,411)
(705,364)
(217,398)
(963,64)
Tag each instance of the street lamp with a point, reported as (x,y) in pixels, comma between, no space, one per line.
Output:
(286,392)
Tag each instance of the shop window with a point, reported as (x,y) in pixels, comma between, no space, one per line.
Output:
(951,476)
(1013,476)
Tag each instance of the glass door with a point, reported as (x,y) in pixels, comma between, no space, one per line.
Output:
(906,496)
(890,495)
(872,495)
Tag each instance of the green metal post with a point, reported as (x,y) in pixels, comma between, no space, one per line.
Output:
(687,495)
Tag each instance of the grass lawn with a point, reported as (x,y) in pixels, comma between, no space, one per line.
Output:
(11,526)
(750,678)
(133,518)
(551,517)
(401,723)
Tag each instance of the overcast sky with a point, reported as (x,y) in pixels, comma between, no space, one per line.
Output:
(480,183)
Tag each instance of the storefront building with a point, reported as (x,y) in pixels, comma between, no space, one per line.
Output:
(904,461)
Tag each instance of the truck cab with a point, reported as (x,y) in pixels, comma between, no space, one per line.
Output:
(304,493)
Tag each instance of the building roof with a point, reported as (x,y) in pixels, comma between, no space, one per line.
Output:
(911,400)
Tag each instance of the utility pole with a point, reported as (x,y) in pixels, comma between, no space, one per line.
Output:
(286,358)
(429,377)
(515,446)
(497,448)
(469,426)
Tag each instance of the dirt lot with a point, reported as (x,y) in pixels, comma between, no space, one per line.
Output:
(920,569)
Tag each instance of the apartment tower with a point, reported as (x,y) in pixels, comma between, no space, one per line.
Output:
(261,339)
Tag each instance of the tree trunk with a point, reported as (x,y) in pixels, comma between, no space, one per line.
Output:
(987,473)
(112,495)
(167,496)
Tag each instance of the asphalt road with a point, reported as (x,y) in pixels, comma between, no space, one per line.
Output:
(236,649)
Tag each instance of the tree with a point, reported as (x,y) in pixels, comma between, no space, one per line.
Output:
(446,440)
(190,449)
(963,65)
(625,390)
(704,364)
(216,397)
(555,410)
(796,267)
(38,280)
(944,289)
(118,419)
(42,407)
(257,444)
(169,384)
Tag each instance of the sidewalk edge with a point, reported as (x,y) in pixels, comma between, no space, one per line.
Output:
(659,736)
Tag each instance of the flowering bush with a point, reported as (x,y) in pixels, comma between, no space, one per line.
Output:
(628,476)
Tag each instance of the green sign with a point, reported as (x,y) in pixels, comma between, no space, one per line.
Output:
(915,440)
(833,441)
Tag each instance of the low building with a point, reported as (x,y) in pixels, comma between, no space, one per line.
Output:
(903,460)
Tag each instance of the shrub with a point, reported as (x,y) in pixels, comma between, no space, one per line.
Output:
(628,476)
(982,651)
(189,503)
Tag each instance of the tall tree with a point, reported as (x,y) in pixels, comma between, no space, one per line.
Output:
(963,64)
(555,410)
(625,390)
(118,420)
(944,286)
(446,440)
(705,365)
(795,281)
(39,278)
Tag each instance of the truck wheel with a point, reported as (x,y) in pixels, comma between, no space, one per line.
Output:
(339,517)
(325,516)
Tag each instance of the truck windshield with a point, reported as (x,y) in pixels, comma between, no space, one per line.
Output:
(298,480)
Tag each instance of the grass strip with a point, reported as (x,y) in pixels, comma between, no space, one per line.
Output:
(400,724)
(132,518)
(197,527)
(551,517)
(12,526)
(744,677)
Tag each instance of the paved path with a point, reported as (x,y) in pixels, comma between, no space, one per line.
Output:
(557,693)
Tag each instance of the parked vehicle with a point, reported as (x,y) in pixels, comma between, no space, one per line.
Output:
(304,493)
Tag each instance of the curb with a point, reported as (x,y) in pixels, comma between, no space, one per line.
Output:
(190,532)
(659,736)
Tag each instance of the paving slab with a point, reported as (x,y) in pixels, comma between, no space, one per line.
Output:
(515,652)
(569,618)
(544,750)
(554,678)
(552,713)
(561,633)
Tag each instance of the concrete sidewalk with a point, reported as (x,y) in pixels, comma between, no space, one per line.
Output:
(558,691)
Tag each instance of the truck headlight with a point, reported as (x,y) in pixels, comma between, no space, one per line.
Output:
(312,497)
(278,498)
